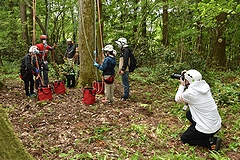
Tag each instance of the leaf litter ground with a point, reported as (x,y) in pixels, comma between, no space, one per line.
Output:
(66,127)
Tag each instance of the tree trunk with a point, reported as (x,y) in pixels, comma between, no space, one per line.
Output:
(135,26)
(99,29)
(24,21)
(219,53)
(165,40)
(86,43)
(144,28)
(200,35)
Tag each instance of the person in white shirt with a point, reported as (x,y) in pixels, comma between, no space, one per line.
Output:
(203,113)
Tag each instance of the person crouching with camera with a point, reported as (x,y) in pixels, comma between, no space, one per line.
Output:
(203,113)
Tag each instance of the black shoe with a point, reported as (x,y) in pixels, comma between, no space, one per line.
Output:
(217,142)
(123,98)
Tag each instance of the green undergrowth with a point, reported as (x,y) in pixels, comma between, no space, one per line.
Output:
(156,91)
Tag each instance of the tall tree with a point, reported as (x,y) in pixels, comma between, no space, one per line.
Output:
(86,42)
(165,24)
(99,28)
(219,48)
(23,16)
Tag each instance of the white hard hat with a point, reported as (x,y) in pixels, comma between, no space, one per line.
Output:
(33,49)
(108,47)
(69,40)
(114,52)
(193,75)
(121,42)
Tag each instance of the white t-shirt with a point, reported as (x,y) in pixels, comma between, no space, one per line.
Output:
(202,106)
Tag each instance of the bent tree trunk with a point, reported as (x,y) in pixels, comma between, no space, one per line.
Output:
(86,42)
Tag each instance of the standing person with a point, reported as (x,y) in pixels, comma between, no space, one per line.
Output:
(203,114)
(27,70)
(70,52)
(123,65)
(108,72)
(43,53)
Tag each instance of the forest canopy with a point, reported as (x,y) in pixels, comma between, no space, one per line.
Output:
(200,33)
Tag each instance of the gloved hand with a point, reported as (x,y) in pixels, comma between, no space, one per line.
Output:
(37,70)
(95,53)
(96,64)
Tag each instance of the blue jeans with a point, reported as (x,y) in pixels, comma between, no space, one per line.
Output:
(125,84)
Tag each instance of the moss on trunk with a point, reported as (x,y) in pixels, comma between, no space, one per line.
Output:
(10,146)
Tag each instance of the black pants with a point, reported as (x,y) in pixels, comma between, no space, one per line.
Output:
(28,81)
(45,73)
(194,137)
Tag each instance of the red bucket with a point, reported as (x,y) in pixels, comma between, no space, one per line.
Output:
(59,87)
(44,94)
(99,86)
(89,96)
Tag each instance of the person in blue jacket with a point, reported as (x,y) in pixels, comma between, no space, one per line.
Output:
(108,72)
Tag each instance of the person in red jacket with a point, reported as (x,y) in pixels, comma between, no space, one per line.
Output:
(43,53)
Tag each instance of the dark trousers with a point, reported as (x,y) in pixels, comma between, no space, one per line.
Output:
(45,73)
(28,81)
(194,137)
(44,81)
(125,82)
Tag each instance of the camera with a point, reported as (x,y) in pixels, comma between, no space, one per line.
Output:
(178,76)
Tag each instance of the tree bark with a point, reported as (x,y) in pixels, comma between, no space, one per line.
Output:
(165,40)
(86,43)
(144,28)
(23,16)
(99,30)
(200,35)
(219,52)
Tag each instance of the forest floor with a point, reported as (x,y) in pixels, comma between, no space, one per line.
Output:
(66,128)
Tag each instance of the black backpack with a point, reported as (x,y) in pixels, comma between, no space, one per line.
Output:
(133,62)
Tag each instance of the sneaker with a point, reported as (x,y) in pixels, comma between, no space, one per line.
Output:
(123,98)
(33,94)
(104,101)
(29,95)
